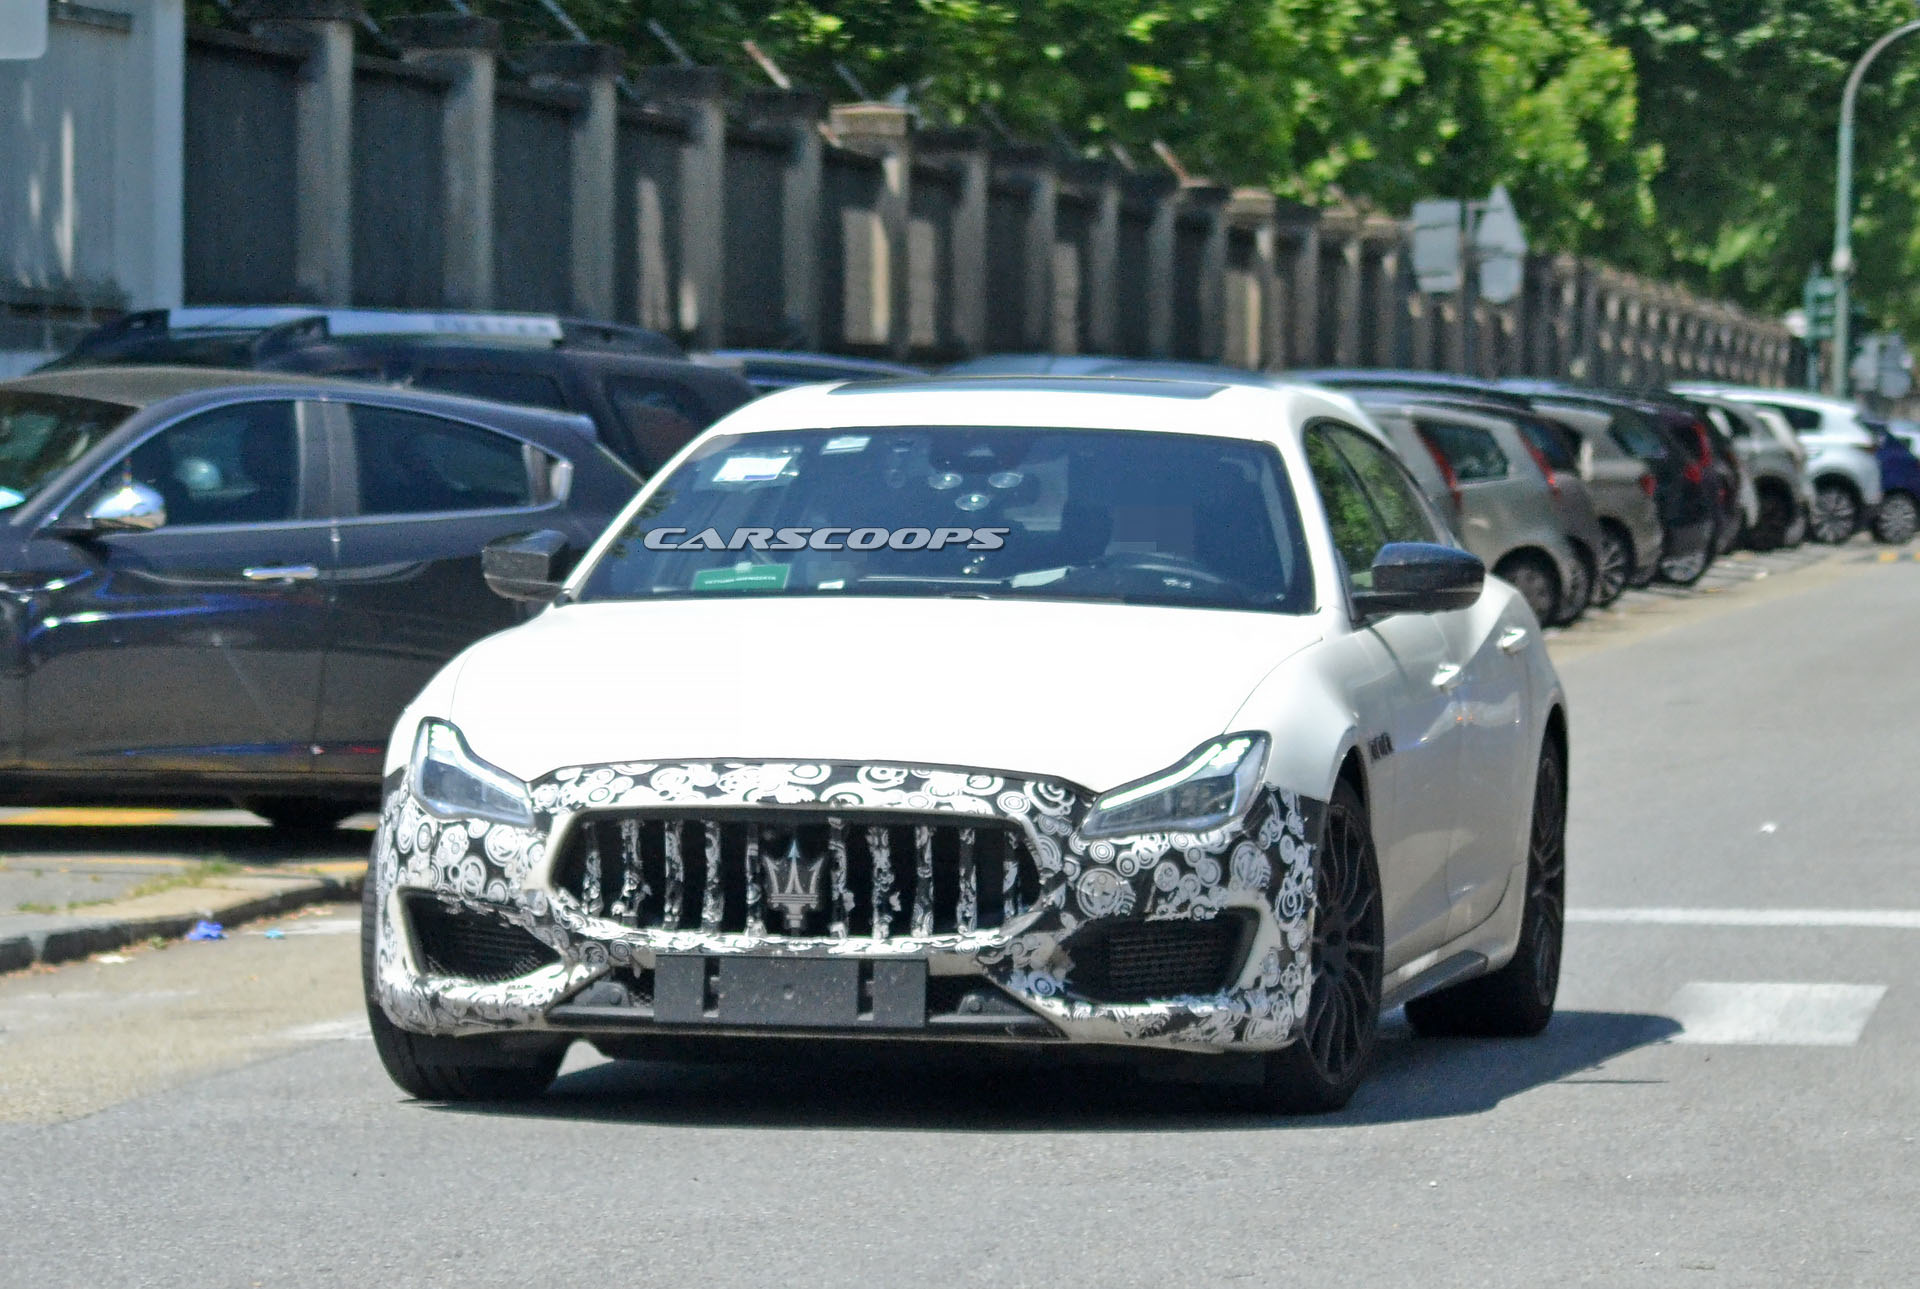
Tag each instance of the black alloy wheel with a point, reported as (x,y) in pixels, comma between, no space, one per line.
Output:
(1537,583)
(1836,513)
(1517,1000)
(1613,565)
(1685,570)
(1579,596)
(1897,519)
(1329,1057)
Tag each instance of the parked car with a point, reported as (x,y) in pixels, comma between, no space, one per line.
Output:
(1305,818)
(1840,455)
(1498,491)
(1774,462)
(636,385)
(768,370)
(1899,514)
(228,584)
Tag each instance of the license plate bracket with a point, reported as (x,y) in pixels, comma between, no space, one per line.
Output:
(780,992)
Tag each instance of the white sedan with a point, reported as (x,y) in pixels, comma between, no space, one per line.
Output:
(1152,714)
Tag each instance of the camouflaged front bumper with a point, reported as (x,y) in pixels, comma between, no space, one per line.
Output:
(1263,864)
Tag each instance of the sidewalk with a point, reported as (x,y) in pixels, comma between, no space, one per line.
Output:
(78,882)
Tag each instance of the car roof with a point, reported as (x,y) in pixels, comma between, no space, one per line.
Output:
(805,358)
(1075,402)
(1789,397)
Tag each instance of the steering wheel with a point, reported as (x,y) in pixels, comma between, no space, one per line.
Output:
(1164,564)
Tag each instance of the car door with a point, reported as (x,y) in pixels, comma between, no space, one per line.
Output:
(419,494)
(1400,679)
(196,646)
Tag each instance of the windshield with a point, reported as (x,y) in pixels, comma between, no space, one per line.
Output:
(1131,517)
(43,434)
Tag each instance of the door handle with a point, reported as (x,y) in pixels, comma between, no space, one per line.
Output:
(281,573)
(1445,674)
(1513,639)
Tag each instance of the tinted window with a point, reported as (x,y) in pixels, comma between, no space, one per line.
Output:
(1357,533)
(411,464)
(43,434)
(1396,501)
(1553,443)
(529,388)
(233,465)
(659,415)
(1472,452)
(993,512)
(1804,420)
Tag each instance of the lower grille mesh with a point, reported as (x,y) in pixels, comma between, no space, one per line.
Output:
(472,946)
(762,872)
(1137,962)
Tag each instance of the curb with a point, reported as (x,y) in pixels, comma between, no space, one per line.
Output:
(66,943)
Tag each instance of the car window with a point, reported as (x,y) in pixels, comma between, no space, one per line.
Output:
(1804,420)
(238,464)
(531,389)
(1357,532)
(1552,442)
(659,415)
(1473,453)
(1404,517)
(43,434)
(410,463)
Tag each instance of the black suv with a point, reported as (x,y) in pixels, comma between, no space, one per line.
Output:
(637,386)
(228,584)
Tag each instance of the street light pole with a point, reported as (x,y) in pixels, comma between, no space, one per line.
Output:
(1843,211)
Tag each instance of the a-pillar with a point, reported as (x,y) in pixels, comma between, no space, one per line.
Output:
(698,96)
(885,131)
(797,114)
(322,30)
(590,71)
(466,49)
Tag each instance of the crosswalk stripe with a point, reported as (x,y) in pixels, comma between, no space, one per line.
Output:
(1869,919)
(1773,1014)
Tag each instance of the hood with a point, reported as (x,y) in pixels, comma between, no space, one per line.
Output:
(1096,694)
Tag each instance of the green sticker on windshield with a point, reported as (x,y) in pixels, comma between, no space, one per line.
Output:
(744,577)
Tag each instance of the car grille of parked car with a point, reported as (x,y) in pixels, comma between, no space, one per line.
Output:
(472,946)
(1137,962)
(797,875)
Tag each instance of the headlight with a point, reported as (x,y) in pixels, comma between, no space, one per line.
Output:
(452,782)
(1207,789)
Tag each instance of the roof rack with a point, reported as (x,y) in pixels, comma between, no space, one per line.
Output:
(289,325)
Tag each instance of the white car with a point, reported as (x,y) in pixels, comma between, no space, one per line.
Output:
(1143,713)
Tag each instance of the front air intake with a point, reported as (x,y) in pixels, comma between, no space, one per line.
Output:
(1139,962)
(472,946)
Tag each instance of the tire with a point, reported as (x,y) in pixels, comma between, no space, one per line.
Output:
(1613,565)
(1538,584)
(1836,512)
(1897,519)
(301,816)
(516,1077)
(1777,514)
(1517,1000)
(1579,589)
(1319,1071)
(1796,534)
(1686,570)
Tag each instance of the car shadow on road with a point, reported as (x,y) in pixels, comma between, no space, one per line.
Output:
(1413,1079)
(23,844)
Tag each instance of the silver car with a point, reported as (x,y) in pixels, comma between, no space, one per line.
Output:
(1625,498)
(1777,469)
(1497,492)
(1846,476)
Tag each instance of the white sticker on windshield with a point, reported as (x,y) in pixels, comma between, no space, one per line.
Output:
(845,443)
(750,469)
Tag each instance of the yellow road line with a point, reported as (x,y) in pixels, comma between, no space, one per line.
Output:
(93,817)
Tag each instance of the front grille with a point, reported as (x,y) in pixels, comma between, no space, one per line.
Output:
(1137,962)
(760,872)
(472,946)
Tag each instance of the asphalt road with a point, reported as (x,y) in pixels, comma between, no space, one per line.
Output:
(1728,1096)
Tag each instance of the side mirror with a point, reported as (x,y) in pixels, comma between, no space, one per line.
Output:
(130,508)
(528,566)
(1420,577)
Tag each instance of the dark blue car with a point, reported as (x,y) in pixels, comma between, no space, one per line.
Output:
(1899,515)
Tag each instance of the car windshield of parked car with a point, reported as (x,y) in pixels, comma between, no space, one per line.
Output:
(43,434)
(1096,515)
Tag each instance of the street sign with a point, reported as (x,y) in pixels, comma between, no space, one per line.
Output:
(1883,366)
(1817,299)
(1436,245)
(23,28)
(1501,247)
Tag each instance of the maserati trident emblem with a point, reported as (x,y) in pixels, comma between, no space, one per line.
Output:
(793,885)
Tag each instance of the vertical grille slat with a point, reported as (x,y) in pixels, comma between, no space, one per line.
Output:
(711,907)
(865,877)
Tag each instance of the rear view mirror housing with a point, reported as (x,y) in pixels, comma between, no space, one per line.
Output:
(531,567)
(1420,577)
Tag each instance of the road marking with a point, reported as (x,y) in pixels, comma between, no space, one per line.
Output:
(90,817)
(1775,1015)
(318,926)
(1871,919)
